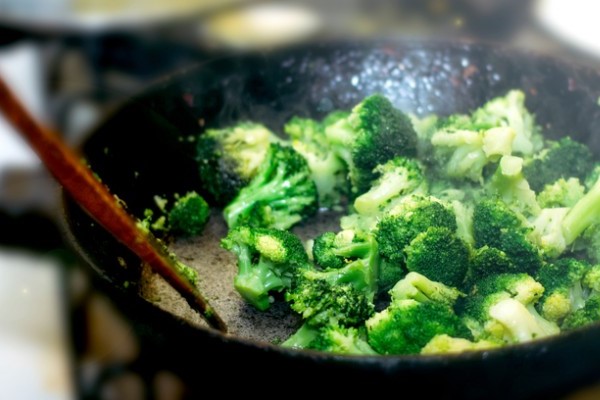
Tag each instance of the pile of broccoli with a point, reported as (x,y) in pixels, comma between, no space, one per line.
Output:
(461,233)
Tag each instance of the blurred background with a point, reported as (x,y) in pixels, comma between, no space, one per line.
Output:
(64,333)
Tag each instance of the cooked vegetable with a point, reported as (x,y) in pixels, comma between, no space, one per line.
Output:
(186,217)
(268,259)
(327,169)
(229,158)
(466,232)
(189,215)
(280,195)
(373,133)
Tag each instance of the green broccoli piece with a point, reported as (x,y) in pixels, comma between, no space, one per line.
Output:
(397,177)
(444,344)
(418,287)
(563,159)
(501,308)
(280,195)
(324,246)
(327,169)
(464,153)
(487,261)
(496,225)
(402,224)
(189,215)
(332,250)
(344,295)
(328,297)
(303,337)
(268,259)
(419,310)
(464,221)
(406,326)
(510,111)
(389,274)
(440,255)
(342,340)
(586,315)
(372,134)
(331,338)
(229,158)
(562,193)
(558,228)
(509,184)
(564,292)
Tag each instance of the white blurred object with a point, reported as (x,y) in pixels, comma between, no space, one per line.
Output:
(100,15)
(268,24)
(20,67)
(573,21)
(33,340)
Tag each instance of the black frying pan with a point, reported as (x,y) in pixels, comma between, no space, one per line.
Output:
(142,150)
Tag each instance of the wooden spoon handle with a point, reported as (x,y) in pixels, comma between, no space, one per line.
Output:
(77,179)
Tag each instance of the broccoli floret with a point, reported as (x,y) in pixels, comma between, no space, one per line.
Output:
(564,292)
(590,313)
(488,261)
(402,224)
(280,195)
(372,134)
(440,255)
(420,309)
(229,158)
(558,228)
(497,226)
(268,259)
(332,250)
(327,297)
(324,246)
(397,177)
(389,274)
(510,111)
(406,326)
(189,215)
(501,308)
(327,169)
(563,159)
(331,338)
(463,153)
(562,193)
(444,344)
(342,340)
(418,287)
(509,184)
(344,295)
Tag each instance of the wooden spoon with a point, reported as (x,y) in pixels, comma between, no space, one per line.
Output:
(95,198)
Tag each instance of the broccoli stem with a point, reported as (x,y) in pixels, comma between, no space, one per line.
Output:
(583,214)
(354,250)
(302,338)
